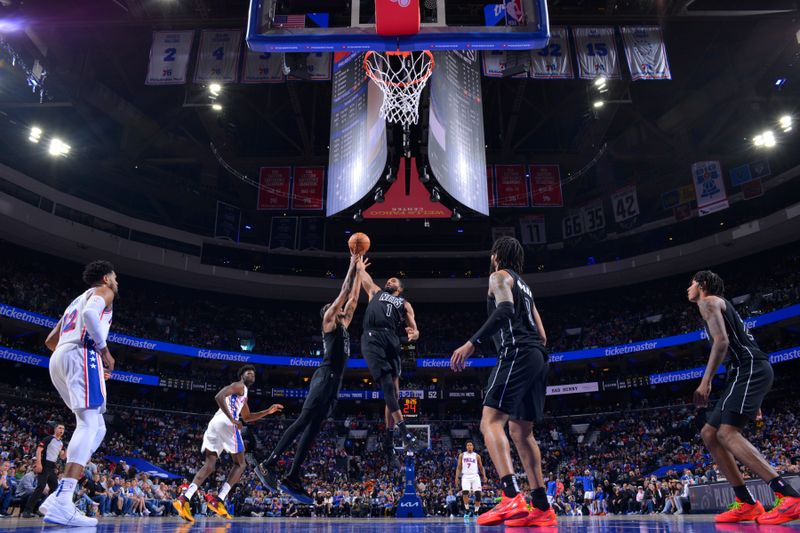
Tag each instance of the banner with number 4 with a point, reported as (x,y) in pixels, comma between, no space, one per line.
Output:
(218,56)
(625,204)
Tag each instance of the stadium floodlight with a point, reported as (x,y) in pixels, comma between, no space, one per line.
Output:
(600,82)
(216,107)
(786,123)
(215,89)
(35,134)
(598,104)
(58,147)
(769,139)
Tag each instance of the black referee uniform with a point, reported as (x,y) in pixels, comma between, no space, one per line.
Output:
(749,375)
(51,448)
(518,383)
(380,343)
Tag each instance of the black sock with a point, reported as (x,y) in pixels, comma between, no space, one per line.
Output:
(539,499)
(509,484)
(401,427)
(270,461)
(778,485)
(743,494)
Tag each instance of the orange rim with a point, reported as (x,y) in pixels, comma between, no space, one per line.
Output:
(422,79)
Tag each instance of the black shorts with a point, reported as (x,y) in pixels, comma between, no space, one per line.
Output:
(323,391)
(381,350)
(742,397)
(518,384)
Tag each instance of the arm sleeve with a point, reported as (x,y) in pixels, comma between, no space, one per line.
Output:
(91,319)
(503,312)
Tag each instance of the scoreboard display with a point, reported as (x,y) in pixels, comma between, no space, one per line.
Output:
(410,407)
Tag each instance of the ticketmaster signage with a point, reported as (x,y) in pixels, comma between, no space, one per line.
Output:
(280,360)
(697,372)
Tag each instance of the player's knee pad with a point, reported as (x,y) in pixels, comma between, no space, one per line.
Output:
(80,446)
(389,393)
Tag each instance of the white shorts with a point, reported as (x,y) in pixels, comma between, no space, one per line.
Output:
(470,483)
(550,499)
(77,374)
(222,436)
(588,495)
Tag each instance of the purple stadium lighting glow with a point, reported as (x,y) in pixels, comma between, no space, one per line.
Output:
(11,25)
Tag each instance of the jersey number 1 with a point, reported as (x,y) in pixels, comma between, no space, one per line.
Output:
(388,309)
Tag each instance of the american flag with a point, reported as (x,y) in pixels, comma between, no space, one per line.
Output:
(289,21)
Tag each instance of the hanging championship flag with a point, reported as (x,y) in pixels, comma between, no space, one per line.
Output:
(227,222)
(646,53)
(263,67)
(308,184)
(533,230)
(169,57)
(596,49)
(274,187)
(709,187)
(218,56)
(283,233)
(625,204)
(546,186)
(316,67)
(312,233)
(594,217)
(490,185)
(512,186)
(553,62)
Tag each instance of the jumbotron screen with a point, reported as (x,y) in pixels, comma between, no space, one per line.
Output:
(358,134)
(456,148)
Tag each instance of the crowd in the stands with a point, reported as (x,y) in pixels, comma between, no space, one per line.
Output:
(349,475)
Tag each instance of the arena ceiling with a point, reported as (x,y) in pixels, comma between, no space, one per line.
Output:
(146,150)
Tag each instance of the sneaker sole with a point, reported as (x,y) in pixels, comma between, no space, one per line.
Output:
(498,521)
(264,481)
(298,498)
(179,508)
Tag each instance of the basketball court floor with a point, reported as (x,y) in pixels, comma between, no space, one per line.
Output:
(611,524)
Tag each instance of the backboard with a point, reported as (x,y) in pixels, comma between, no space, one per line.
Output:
(349,25)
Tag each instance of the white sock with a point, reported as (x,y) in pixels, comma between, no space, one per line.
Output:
(223,492)
(66,489)
(190,491)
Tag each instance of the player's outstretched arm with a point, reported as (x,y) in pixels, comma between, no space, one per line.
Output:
(52,338)
(329,320)
(234,388)
(366,280)
(711,310)
(412,330)
(352,302)
(248,417)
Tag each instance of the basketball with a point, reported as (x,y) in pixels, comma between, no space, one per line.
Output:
(358,243)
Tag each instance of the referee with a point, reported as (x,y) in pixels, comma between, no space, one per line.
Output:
(49,450)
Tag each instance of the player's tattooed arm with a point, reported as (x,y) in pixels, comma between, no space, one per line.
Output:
(329,320)
(711,311)
(352,302)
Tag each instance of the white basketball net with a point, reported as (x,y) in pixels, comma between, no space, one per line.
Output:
(402,77)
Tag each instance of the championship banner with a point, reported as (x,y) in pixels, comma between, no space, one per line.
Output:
(283,233)
(308,184)
(169,57)
(274,187)
(596,49)
(553,62)
(263,67)
(709,187)
(647,56)
(490,185)
(512,186)
(546,186)
(318,67)
(227,222)
(625,204)
(218,56)
(533,230)
(312,233)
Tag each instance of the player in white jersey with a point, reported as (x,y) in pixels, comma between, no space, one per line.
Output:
(224,434)
(470,470)
(79,366)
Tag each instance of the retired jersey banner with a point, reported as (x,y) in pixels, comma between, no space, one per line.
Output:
(169,57)
(709,187)
(490,185)
(263,67)
(546,186)
(494,63)
(594,217)
(318,66)
(512,186)
(274,187)
(533,230)
(625,204)
(596,49)
(308,184)
(553,62)
(646,53)
(218,56)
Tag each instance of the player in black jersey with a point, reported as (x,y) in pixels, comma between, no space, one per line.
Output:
(749,379)
(380,344)
(323,391)
(516,389)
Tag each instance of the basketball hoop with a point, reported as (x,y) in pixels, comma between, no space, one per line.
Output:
(401,77)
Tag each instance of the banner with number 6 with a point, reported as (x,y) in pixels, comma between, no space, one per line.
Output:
(218,56)
(596,49)
(625,204)
(169,57)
